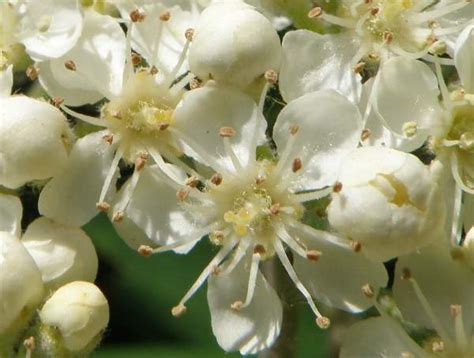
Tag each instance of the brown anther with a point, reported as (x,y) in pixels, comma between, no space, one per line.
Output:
(271,76)
(259,179)
(137,15)
(163,126)
(136,59)
(337,187)
(259,249)
(356,246)
(179,310)
(145,250)
(108,138)
(153,70)
(294,128)
(387,37)
(118,216)
(315,12)
(237,305)
(373,56)
(165,16)
(374,11)
(359,67)
(216,179)
(57,101)
(313,255)
(70,65)
(217,237)
(432,24)
(192,181)
(182,194)
(406,273)
(275,209)
(456,310)
(189,34)
(140,162)
(102,206)
(29,343)
(323,322)
(194,83)
(32,72)
(216,270)
(115,114)
(368,290)
(437,346)
(365,134)
(226,132)
(296,165)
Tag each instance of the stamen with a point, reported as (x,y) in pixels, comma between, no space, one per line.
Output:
(271,76)
(223,252)
(368,290)
(30,345)
(118,216)
(365,134)
(181,59)
(252,279)
(313,255)
(145,250)
(239,253)
(182,194)
(165,16)
(88,119)
(315,12)
(320,319)
(356,246)
(440,12)
(136,59)
(216,179)
(179,310)
(313,195)
(102,206)
(137,15)
(461,338)
(129,189)
(442,85)
(297,165)
(57,101)
(111,173)
(292,243)
(282,161)
(229,151)
(108,138)
(425,304)
(336,20)
(32,72)
(165,168)
(70,65)
(359,67)
(337,187)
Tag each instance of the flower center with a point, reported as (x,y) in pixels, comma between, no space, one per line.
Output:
(462,129)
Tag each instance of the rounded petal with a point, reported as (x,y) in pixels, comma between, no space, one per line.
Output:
(406,94)
(21,289)
(204,111)
(250,329)
(314,62)
(99,58)
(329,128)
(162,219)
(11,212)
(63,254)
(378,337)
(50,28)
(34,140)
(443,281)
(464,58)
(341,265)
(70,197)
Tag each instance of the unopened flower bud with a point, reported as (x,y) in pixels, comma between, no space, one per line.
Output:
(80,312)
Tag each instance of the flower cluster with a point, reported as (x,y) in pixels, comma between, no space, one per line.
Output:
(161,114)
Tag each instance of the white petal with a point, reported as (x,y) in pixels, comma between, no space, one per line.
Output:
(11,212)
(155,209)
(442,280)
(313,62)
(406,90)
(6,81)
(63,254)
(50,27)
(99,56)
(201,114)
(70,197)
(251,329)
(341,265)
(464,58)
(329,128)
(34,140)
(378,337)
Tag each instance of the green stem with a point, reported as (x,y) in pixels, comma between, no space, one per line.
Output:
(284,347)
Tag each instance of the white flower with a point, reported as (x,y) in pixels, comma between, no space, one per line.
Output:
(252,209)
(34,137)
(138,119)
(389,201)
(79,311)
(372,31)
(62,254)
(432,289)
(233,43)
(21,288)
